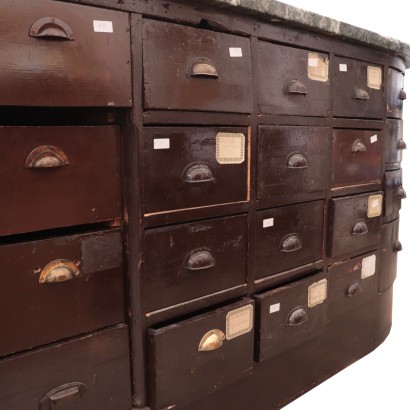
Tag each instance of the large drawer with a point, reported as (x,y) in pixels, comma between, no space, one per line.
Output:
(59,176)
(394,193)
(395,93)
(187,68)
(354,223)
(293,81)
(394,144)
(82,374)
(59,54)
(292,160)
(196,357)
(288,237)
(59,288)
(194,167)
(188,261)
(358,89)
(290,315)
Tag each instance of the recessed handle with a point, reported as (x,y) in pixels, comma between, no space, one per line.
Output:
(52,28)
(200,260)
(397,246)
(212,340)
(63,396)
(60,270)
(401,144)
(353,290)
(360,228)
(197,174)
(297,161)
(400,193)
(358,146)
(291,243)
(360,94)
(202,68)
(297,317)
(296,87)
(46,156)
(402,95)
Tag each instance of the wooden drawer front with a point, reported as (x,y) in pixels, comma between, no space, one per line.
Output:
(82,374)
(188,261)
(353,223)
(356,157)
(59,176)
(191,171)
(390,248)
(51,298)
(59,54)
(191,69)
(194,358)
(292,160)
(395,93)
(293,81)
(289,316)
(358,89)
(288,237)
(352,283)
(395,144)
(394,194)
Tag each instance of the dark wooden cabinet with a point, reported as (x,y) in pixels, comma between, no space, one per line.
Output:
(395,93)
(394,144)
(395,193)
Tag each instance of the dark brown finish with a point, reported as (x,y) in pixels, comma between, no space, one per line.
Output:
(395,93)
(356,157)
(52,56)
(285,87)
(394,144)
(188,261)
(292,160)
(395,192)
(171,55)
(35,313)
(188,174)
(175,360)
(87,373)
(294,239)
(86,190)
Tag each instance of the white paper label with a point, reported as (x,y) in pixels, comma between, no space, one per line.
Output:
(313,62)
(373,139)
(317,293)
(368,266)
(374,206)
(230,148)
(274,308)
(162,143)
(343,67)
(239,322)
(103,26)
(235,52)
(267,223)
(374,77)
(318,67)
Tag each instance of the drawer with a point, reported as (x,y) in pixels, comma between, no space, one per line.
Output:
(288,237)
(59,288)
(394,144)
(59,176)
(292,160)
(290,315)
(395,93)
(358,89)
(205,70)
(391,246)
(194,167)
(356,157)
(59,55)
(185,262)
(196,357)
(293,81)
(394,193)
(354,223)
(352,283)
(82,374)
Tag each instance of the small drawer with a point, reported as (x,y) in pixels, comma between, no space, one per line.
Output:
(394,193)
(83,374)
(391,246)
(187,68)
(356,157)
(293,81)
(59,55)
(290,315)
(59,288)
(394,144)
(292,160)
(288,237)
(196,357)
(185,262)
(59,176)
(395,93)
(352,283)
(358,89)
(194,167)
(354,223)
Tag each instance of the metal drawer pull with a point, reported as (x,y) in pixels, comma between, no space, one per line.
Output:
(212,340)
(199,173)
(360,94)
(360,228)
(200,260)
(401,144)
(402,95)
(296,87)
(63,396)
(397,246)
(291,243)
(297,317)
(297,161)
(202,67)
(50,27)
(60,270)
(358,146)
(400,193)
(353,290)
(46,156)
